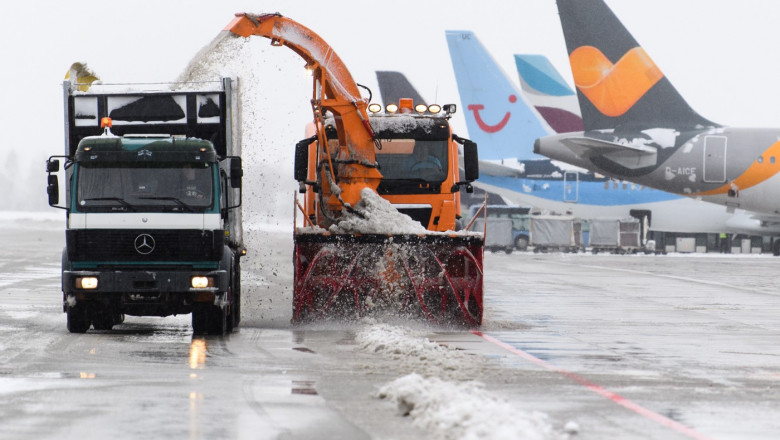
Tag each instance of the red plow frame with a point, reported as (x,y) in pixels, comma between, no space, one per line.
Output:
(435,277)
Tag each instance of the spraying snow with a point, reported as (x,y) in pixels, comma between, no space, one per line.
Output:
(273,112)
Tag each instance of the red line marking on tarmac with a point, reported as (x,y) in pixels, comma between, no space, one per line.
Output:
(620,400)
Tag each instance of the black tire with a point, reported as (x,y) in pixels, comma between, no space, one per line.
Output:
(218,320)
(103,321)
(200,320)
(508,250)
(78,320)
(776,248)
(236,288)
(235,291)
(521,243)
(209,319)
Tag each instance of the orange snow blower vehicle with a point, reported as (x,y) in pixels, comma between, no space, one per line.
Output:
(381,226)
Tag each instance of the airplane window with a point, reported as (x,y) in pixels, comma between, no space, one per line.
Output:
(771,159)
(615,185)
(606,184)
(625,186)
(760,159)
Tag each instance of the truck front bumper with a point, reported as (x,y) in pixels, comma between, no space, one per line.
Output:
(146,292)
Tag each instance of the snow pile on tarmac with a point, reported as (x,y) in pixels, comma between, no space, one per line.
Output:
(449,409)
(375,215)
(464,410)
(410,349)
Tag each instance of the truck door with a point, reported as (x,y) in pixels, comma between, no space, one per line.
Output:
(571,186)
(715,159)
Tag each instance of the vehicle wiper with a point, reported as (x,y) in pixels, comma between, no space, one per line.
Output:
(121,201)
(189,208)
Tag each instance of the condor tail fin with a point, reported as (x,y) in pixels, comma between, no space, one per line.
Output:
(617,83)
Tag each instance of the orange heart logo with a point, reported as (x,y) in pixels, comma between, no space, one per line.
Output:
(613,88)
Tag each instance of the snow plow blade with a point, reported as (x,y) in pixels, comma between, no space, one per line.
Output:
(345,276)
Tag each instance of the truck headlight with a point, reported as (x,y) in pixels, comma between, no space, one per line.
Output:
(200,282)
(86,283)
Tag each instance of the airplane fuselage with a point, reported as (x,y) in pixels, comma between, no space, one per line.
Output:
(735,167)
(589,199)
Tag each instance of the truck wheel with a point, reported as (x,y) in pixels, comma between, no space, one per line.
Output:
(103,321)
(209,320)
(237,294)
(218,320)
(521,243)
(200,320)
(78,321)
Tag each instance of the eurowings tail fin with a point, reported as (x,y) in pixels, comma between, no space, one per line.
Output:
(498,117)
(548,92)
(618,84)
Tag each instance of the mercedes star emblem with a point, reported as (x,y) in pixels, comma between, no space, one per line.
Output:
(144,244)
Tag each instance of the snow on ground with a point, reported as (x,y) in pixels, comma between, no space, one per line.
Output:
(449,407)
(410,348)
(456,410)
(19,218)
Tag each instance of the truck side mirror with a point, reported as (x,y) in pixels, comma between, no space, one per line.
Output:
(470,160)
(53,189)
(236,172)
(302,159)
(52,166)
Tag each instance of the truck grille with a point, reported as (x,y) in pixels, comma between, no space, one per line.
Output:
(144,245)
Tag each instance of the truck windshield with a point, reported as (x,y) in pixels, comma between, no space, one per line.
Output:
(410,159)
(157,188)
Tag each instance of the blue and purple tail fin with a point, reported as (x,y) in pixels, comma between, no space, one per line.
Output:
(549,93)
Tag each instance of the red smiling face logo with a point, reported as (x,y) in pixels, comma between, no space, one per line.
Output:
(487,127)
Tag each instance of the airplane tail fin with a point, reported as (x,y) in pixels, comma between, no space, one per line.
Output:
(498,117)
(617,82)
(546,89)
(394,86)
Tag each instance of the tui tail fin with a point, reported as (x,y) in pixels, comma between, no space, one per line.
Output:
(498,117)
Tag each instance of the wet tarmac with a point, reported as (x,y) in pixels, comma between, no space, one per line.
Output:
(658,347)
